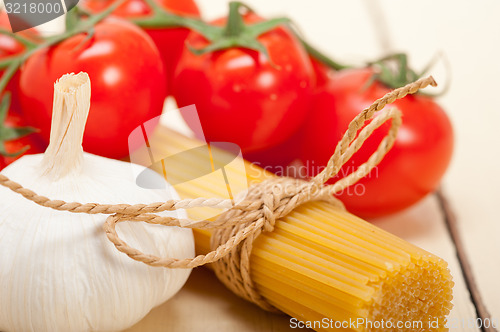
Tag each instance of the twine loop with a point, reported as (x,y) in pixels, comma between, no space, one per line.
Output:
(263,204)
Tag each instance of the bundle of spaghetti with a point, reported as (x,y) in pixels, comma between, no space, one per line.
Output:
(321,264)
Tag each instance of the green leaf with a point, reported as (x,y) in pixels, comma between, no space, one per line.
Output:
(220,44)
(255,45)
(260,28)
(72,18)
(4,108)
(9,133)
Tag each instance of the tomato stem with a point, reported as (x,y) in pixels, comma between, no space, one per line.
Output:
(9,72)
(235,33)
(314,52)
(161,18)
(235,24)
(9,133)
(394,72)
(25,41)
(322,57)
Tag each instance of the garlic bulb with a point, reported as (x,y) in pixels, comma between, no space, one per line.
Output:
(58,271)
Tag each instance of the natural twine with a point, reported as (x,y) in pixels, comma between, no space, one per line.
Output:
(264,203)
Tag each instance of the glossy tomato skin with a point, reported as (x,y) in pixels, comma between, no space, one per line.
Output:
(33,140)
(410,170)
(9,47)
(127,84)
(240,96)
(169,41)
(322,73)
(284,158)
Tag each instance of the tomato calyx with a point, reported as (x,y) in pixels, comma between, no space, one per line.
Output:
(329,62)
(237,33)
(11,64)
(394,72)
(161,18)
(11,133)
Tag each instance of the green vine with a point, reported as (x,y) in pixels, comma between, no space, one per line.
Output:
(11,64)
(234,34)
(394,72)
(10,133)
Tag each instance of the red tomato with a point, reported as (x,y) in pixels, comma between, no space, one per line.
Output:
(33,141)
(127,82)
(8,47)
(284,158)
(322,72)
(410,170)
(240,96)
(280,159)
(170,41)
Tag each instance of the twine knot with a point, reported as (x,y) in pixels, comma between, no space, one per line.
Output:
(263,204)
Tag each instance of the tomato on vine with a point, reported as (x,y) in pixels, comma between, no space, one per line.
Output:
(410,170)
(16,139)
(9,46)
(250,80)
(168,37)
(128,85)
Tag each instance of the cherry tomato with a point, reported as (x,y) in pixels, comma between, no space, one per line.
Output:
(410,170)
(170,41)
(322,72)
(126,74)
(282,159)
(9,47)
(242,97)
(33,141)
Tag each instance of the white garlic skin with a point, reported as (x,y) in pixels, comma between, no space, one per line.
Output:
(58,271)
